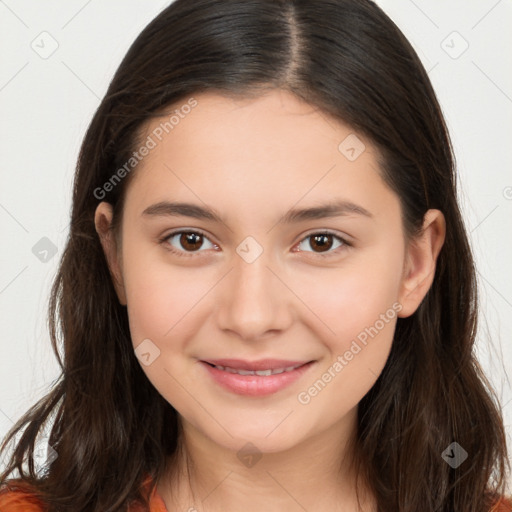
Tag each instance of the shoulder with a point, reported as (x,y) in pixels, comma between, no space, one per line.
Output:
(503,505)
(16,496)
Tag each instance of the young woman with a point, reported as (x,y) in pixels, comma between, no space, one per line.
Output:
(267,300)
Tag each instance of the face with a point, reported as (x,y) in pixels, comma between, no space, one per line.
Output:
(256,280)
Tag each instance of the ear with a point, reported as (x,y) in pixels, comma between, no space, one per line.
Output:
(420,262)
(103,222)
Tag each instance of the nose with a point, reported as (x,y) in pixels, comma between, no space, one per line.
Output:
(253,301)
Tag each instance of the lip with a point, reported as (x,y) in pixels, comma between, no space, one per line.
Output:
(256,385)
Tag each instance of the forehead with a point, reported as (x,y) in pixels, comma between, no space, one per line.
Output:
(216,116)
(274,148)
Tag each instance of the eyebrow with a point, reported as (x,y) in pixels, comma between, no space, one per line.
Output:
(332,209)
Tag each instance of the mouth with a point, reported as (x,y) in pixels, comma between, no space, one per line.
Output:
(254,366)
(256,378)
(262,373)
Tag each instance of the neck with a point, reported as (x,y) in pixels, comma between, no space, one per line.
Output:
(316,475)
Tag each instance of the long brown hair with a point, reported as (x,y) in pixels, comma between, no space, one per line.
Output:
(109,425)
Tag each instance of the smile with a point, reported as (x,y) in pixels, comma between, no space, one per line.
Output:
(253,382)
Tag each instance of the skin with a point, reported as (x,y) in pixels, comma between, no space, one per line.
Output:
(252,160)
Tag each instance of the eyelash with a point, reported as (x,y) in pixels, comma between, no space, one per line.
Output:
(168,247)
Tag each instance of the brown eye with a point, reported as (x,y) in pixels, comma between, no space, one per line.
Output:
(184,243)
(320,243)
(191,241)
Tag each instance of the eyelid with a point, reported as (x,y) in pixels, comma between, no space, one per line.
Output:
(343,237)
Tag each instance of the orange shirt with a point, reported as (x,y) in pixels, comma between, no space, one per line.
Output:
(23,501)
(19,501)
(504,505)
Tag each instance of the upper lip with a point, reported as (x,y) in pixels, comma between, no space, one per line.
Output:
(262,364)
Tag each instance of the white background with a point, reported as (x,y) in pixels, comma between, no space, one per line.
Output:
(46,105)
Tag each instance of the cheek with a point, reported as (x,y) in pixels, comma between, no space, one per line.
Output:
(161,297)
(357,305)
(163,307)
(362,312)
(352,297)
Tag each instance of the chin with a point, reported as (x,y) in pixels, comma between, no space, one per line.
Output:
(256,441)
